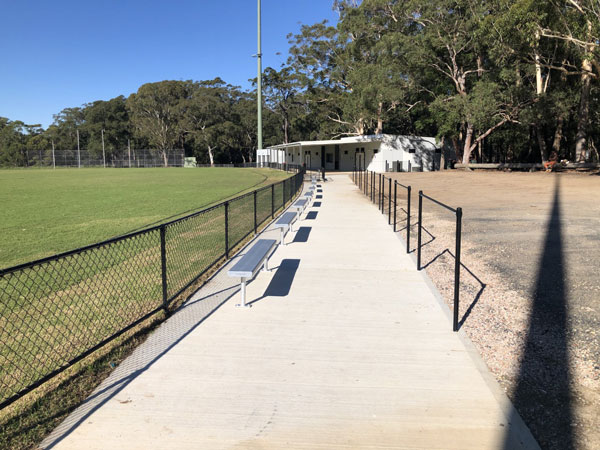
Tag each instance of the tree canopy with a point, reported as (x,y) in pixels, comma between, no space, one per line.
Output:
(499,80)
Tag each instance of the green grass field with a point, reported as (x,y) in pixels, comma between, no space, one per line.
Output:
(45,212)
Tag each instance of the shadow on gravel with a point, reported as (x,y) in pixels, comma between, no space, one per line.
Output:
(542,393)
(477,296)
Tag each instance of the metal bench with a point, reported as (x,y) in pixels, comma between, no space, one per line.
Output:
(299,206)
(251,262)
(285,223)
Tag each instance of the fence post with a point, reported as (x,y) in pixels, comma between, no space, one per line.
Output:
(163,267)
(272,201)
(390,201)
(457,267)
(395,203)
(379,192)
(283,194)
(419,231)
(255,224)
(372,187)
(408,221)
(226,230)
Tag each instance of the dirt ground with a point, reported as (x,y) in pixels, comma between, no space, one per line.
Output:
(530,286)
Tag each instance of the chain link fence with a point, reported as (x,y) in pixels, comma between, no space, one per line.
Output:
(57,310)
(112,158)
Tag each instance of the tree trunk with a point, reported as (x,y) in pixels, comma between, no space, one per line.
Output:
(581,147)
(285,130)
(541,143)
(210,156)
(165,158)
(467,146)
(379,129)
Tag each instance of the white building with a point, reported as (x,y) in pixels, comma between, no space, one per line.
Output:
(378,153)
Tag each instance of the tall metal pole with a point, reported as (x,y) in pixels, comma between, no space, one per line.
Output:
(78,152)
(103,153)
(259,86)
(53,158)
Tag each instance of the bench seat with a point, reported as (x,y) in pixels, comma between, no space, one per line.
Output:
(251,262)
(285,223)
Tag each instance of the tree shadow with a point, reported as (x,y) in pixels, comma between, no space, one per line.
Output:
(542,394)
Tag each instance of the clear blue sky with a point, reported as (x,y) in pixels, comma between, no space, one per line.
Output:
(65,53)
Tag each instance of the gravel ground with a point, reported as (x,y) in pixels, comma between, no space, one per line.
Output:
(530,288)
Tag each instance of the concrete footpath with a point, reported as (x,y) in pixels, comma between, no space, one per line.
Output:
(345,346)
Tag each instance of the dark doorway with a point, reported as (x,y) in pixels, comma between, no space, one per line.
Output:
(337,158)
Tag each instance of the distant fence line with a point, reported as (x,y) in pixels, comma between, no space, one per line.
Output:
(85,158)
(57,310)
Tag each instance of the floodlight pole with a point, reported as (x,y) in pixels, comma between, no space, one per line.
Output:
(259,86)
(78,152)
(53,157)
(103,154)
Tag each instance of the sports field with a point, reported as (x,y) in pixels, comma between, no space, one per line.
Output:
(45,212)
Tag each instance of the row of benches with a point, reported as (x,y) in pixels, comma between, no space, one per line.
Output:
(258,256)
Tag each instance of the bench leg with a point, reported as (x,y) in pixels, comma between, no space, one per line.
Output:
(282,235)
(243,291)
(266,265)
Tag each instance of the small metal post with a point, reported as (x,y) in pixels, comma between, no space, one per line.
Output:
(255,224)
(408,221)
(395,203)
(226,230)
(457,267)
(389,201)
(419,230)
(163,266)
(272,201)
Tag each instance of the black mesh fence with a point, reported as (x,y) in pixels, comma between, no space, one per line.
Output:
(56,311)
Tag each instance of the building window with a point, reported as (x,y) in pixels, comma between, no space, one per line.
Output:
(375,151)
(345,152)
(412,150)
(317,153)
(438,150)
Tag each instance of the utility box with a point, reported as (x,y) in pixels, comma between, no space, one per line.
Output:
(189,162)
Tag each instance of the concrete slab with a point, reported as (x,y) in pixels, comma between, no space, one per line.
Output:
(345,346)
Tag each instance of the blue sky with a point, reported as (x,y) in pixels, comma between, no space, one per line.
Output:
(66,53)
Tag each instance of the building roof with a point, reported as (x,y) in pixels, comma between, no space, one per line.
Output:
(351,140)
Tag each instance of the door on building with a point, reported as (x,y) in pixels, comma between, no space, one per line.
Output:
(337,158)
(359,160)
(307,160)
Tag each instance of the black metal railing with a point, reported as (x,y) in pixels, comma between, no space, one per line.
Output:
(458,235)
(374,185)
(57,310)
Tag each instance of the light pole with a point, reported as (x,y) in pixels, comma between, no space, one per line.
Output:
(259,86)
(78,152)
(103,154)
